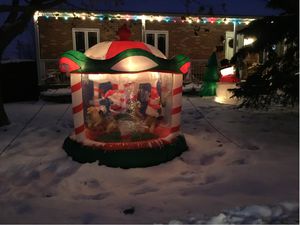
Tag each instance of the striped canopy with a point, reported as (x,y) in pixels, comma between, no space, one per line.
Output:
(122,57)
(109,49)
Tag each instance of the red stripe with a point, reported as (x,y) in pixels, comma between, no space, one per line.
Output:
(133,145)
(76,87)
(98,91)
(175,129)
(117,47)
(116,107)
(109,93)
(78,108)
(79,129)
(128,84)
(177,90)
(176,110)
(115,86)
(96,103)
(154,106)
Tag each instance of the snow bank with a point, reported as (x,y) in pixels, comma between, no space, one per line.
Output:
(191,87)
(286,212)
(56,92)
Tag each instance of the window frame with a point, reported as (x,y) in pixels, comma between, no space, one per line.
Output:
(156,33)
(86,37)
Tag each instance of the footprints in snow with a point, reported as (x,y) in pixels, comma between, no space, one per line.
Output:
(23,208)
(192,115)
(208,159)
(251,147)
(139,181)
(209,179)
(239,162)
(185,176)
(93,183)
(88,218)
(99,196)
(144,190)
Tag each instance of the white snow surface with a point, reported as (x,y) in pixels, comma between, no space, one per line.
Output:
(242,161)
(257,214)
(56,92)
(191,87)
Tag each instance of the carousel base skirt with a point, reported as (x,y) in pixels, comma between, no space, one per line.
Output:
(131,158)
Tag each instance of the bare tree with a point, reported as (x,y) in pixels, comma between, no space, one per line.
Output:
(198,6)
(18,15)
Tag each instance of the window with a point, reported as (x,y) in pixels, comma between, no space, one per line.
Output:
(84,38)
(159,39)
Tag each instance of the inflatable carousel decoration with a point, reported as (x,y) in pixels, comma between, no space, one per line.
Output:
(126,99)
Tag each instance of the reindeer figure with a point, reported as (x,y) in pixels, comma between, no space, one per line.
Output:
(94,118)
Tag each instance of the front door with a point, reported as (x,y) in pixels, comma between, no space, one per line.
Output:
(229,44)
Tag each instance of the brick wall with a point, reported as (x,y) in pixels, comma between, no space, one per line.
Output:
(56,35)
(194,40)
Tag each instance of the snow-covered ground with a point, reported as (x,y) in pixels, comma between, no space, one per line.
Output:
(237,158)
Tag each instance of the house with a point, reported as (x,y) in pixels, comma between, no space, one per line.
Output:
(195,36)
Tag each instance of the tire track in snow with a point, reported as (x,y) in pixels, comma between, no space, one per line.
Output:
(21,131)
(31,120)
(211,125)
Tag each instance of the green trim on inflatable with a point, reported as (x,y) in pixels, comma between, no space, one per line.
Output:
(125,158)
(88,65)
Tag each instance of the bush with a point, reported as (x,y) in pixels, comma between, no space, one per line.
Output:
(19,81)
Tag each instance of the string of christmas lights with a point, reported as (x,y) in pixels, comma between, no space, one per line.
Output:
(150,18)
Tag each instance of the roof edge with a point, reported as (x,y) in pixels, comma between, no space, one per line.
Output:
(173,14)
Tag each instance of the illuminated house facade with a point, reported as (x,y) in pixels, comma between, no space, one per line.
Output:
(194,36)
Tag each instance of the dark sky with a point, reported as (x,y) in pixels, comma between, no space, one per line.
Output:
(232,7)
(220,7)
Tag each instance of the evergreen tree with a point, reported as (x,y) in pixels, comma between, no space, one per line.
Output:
(277,79)
(211,77)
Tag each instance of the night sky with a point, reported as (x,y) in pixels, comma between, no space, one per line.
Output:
(232,7)
(220,7)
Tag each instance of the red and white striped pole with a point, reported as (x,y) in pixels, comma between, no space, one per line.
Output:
(176,104)
(96,94)
(77,106)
